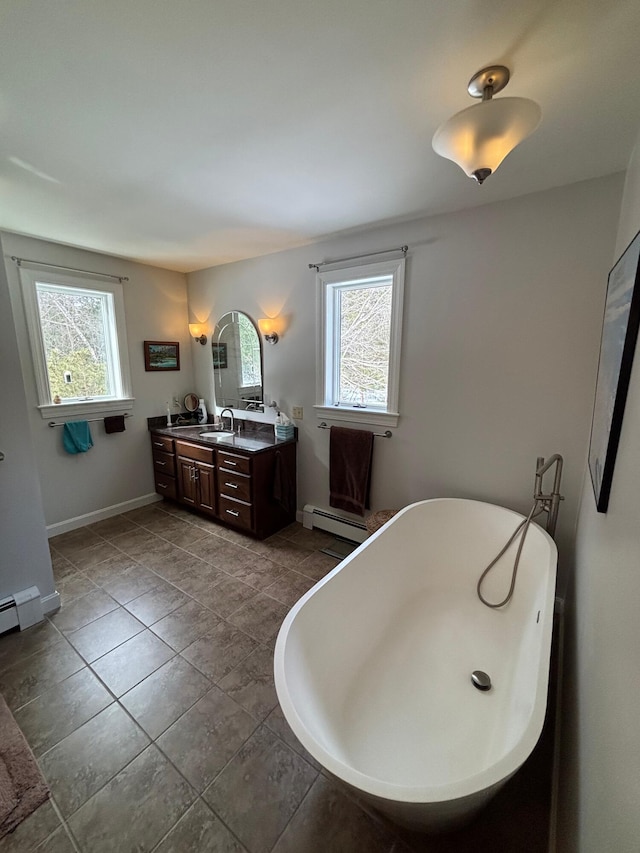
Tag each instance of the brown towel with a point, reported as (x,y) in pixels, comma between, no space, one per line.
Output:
(350,455)
(114,423)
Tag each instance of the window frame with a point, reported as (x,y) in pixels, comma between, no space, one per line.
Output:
(121,402)
(326,286)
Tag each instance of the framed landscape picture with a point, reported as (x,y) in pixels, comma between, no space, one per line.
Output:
(619,334)
(161,355)
(219,353)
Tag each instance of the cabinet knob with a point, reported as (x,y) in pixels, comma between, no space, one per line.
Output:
(161,464)
(161,486)
(233,512)
(231,485)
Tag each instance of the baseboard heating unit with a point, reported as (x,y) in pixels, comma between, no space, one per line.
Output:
(323,519)
(23,608)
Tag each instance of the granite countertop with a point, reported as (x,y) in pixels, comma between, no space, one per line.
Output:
(249,439)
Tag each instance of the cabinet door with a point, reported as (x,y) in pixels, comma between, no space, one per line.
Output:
(206,486)
(187,484)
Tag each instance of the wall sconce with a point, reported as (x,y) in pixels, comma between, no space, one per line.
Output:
(196,330)
(480,137)
(269,327)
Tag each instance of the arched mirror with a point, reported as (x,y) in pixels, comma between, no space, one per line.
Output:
(237,362)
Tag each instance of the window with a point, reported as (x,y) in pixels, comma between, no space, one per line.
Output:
(77,335)
(249,352)
(360,320)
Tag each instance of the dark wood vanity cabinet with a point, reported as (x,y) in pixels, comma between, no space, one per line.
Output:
(252,492)
(164,466)
(235,489)
(196,476)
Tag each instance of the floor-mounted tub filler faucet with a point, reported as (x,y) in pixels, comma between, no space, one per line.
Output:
(549,503)
(541,503)
(230,415)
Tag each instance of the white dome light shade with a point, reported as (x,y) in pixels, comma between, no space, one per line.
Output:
(480,137)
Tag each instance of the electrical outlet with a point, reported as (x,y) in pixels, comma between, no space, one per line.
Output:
(297,412)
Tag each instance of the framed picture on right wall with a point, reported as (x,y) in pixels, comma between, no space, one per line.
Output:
(617,346)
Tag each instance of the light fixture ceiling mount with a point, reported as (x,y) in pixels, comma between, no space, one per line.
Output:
(488,82)
(480,137)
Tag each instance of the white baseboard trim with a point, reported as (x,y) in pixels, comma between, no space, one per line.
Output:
(100,514)
(51,603)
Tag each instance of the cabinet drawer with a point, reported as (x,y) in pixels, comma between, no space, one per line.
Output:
(164,463)
(235,512)
(166,486)
(234,462)
(234,485)
(194,451)
(160,443)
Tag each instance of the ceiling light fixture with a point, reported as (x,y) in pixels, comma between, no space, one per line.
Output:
(480,137)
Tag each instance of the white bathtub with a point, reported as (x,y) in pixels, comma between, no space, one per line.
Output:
(373,665)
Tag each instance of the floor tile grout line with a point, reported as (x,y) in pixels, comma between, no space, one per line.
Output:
(260,644)
(21,663)
(65,633)
(227,673)
(64,824)
(95,660)
(299,806)
(89,664)
(27,657)
(53,687)
(218,567)
(117,698)
(114,699)
(150,742)
(217,776)
(216,815)
(247,547)
(179,717)
(199,794)
(190,595)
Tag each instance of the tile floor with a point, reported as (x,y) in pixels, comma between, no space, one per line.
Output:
(149,702)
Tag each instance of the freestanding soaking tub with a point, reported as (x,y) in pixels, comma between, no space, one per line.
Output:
(373,665)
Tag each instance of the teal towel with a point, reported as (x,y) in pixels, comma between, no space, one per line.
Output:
(76,437)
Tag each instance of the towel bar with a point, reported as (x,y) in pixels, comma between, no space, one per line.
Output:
(386,434)
(89,420)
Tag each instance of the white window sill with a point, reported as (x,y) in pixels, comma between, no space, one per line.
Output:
(357,415)
(86,407)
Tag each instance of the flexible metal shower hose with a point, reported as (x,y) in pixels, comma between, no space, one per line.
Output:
(524,527)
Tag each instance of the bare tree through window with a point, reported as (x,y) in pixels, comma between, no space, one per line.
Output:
(365,328)
(74,337)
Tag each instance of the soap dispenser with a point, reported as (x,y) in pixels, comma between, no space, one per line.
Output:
(201,412)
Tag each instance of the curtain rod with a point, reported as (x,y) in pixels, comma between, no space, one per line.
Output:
(89,420)
(316,267)
(20,261)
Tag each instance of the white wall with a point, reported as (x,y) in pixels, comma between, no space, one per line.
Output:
(600,804)
(500,345)
(24,553)
(118,467)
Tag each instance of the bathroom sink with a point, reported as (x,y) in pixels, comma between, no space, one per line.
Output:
(218,434)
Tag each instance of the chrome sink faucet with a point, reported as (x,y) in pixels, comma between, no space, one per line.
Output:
(230,415)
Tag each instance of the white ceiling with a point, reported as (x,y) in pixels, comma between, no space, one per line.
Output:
(188,133)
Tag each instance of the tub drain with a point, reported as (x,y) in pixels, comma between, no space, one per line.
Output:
(480,680)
